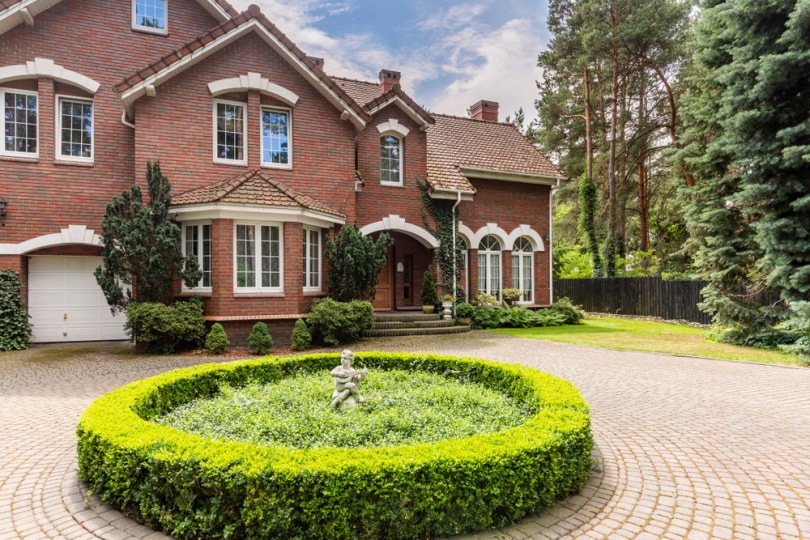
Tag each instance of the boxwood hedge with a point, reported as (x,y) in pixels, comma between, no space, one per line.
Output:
(192,487)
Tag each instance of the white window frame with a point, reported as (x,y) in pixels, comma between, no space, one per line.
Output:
(58,123)
(309,260)
(12,153)
(489,257)
(288,112)
(401,159)
(200,256)
(217,159)
(257,258)
(519,277)
(151,29)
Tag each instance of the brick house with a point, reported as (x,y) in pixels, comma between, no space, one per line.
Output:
(266,153)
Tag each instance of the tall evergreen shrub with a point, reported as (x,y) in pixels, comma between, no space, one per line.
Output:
(15,330)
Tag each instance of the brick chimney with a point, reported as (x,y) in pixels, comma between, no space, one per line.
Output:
(388,79)
(317,61)
(485,110)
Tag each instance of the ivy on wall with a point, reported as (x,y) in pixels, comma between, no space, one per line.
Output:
(441,210)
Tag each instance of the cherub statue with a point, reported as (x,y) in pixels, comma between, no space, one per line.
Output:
(347,380)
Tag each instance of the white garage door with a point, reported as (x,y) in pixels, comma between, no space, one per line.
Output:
(66,303)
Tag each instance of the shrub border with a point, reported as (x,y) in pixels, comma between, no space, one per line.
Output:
(192,487)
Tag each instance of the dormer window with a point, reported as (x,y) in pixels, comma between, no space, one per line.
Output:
(150,16)
(390,160)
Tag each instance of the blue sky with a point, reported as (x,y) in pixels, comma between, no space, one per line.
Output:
(451,53)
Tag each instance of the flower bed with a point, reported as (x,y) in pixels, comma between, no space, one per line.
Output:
(193,487)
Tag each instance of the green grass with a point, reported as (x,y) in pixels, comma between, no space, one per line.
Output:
(400,409)
(636,335)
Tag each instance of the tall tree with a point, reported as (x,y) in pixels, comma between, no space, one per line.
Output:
(142,247)
(747,142)
(355,261)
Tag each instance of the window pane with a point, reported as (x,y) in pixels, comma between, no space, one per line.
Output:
(77,129)
(150,13)
(275,137)
(20,123)
(230,131)
(389,159)
(245,256)
(205,263)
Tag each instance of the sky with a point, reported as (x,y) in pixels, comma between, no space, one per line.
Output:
(451,53)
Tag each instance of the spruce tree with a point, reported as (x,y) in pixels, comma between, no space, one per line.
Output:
(142,246)
(354,261)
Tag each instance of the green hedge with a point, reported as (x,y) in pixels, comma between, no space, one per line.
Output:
(192,487)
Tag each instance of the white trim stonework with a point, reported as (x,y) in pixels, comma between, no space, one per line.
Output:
(46,68)
(396,223)
(253,81)
(74,234)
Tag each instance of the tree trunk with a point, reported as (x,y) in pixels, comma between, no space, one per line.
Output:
(588,137)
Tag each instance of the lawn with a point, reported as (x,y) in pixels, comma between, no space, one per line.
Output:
(636,335)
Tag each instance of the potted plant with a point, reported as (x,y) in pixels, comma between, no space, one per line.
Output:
(428,293)
(447,306)
(511,295)
(464,313)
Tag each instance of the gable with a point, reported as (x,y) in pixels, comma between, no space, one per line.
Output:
(16,12)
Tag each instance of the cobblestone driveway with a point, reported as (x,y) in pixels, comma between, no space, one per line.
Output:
(689,448)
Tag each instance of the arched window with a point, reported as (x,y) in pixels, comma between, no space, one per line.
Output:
(523,269)
(390,160)
(489,266)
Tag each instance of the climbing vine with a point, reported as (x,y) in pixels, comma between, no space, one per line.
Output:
(441,210)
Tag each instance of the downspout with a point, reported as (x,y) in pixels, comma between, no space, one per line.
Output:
(124,120)
(550,243)
(455,278)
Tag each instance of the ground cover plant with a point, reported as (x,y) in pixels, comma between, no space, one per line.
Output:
(196,487)
(638,335)
(400,408)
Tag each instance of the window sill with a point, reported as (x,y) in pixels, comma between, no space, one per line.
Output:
(276,166)
(72,163)
(19,159)
(314,292)
(240,163)
(205,293)
(152,31)
(258,294)
(391,184)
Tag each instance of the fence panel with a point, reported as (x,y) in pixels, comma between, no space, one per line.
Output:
(646,296)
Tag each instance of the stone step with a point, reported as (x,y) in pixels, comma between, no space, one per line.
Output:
(392,325)
(405,316)
(391,332)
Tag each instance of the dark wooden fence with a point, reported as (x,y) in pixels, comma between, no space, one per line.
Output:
(647,296)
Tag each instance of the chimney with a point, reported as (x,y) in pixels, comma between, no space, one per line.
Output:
(485,110)
(388,79)
(317,61)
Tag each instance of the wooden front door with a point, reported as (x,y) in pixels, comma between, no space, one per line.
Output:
(384,299)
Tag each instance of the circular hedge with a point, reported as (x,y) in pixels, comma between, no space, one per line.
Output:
(192,487)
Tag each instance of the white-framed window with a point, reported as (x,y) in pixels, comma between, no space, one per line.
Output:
(489,266)
(258,262)
(74,121)
(19,123)
(312,259)
(150,16)
(197,242)
(523,269)
(229,132)
(391,160)
(276,137)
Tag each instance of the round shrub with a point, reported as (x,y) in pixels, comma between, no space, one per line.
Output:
(260,341)
(193,487)
(301,337)
(217,340)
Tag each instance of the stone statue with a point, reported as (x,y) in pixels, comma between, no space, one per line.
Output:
(347,381)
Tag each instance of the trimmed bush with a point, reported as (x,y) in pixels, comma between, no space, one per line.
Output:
(192,487)
(15,330)
(429,296)
(260,341)
(301,338)
(570,313)
(339,322)
(163,328)
(464,310)
(217,340)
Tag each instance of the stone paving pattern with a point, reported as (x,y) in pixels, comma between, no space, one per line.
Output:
(687,447)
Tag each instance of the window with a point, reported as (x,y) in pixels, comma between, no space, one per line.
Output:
(489,266)
(75,125)
(312,260)
(258,257)
(229,132)
(390,160)
(523,269)
(197,242)
(276,138)
(149,15)
(19,123)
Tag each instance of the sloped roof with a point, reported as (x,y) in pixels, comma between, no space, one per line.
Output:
(361,91)
(134,86)
(368,95)
(14,12)
(252,188)
(462,148)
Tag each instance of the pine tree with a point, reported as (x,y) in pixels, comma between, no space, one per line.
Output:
(354,261)
(142,247)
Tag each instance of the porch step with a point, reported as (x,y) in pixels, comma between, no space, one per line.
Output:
(388,324)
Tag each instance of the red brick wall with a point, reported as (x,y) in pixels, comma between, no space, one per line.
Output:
(93,38)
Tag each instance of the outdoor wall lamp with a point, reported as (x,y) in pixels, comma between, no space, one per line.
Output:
(3,204)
